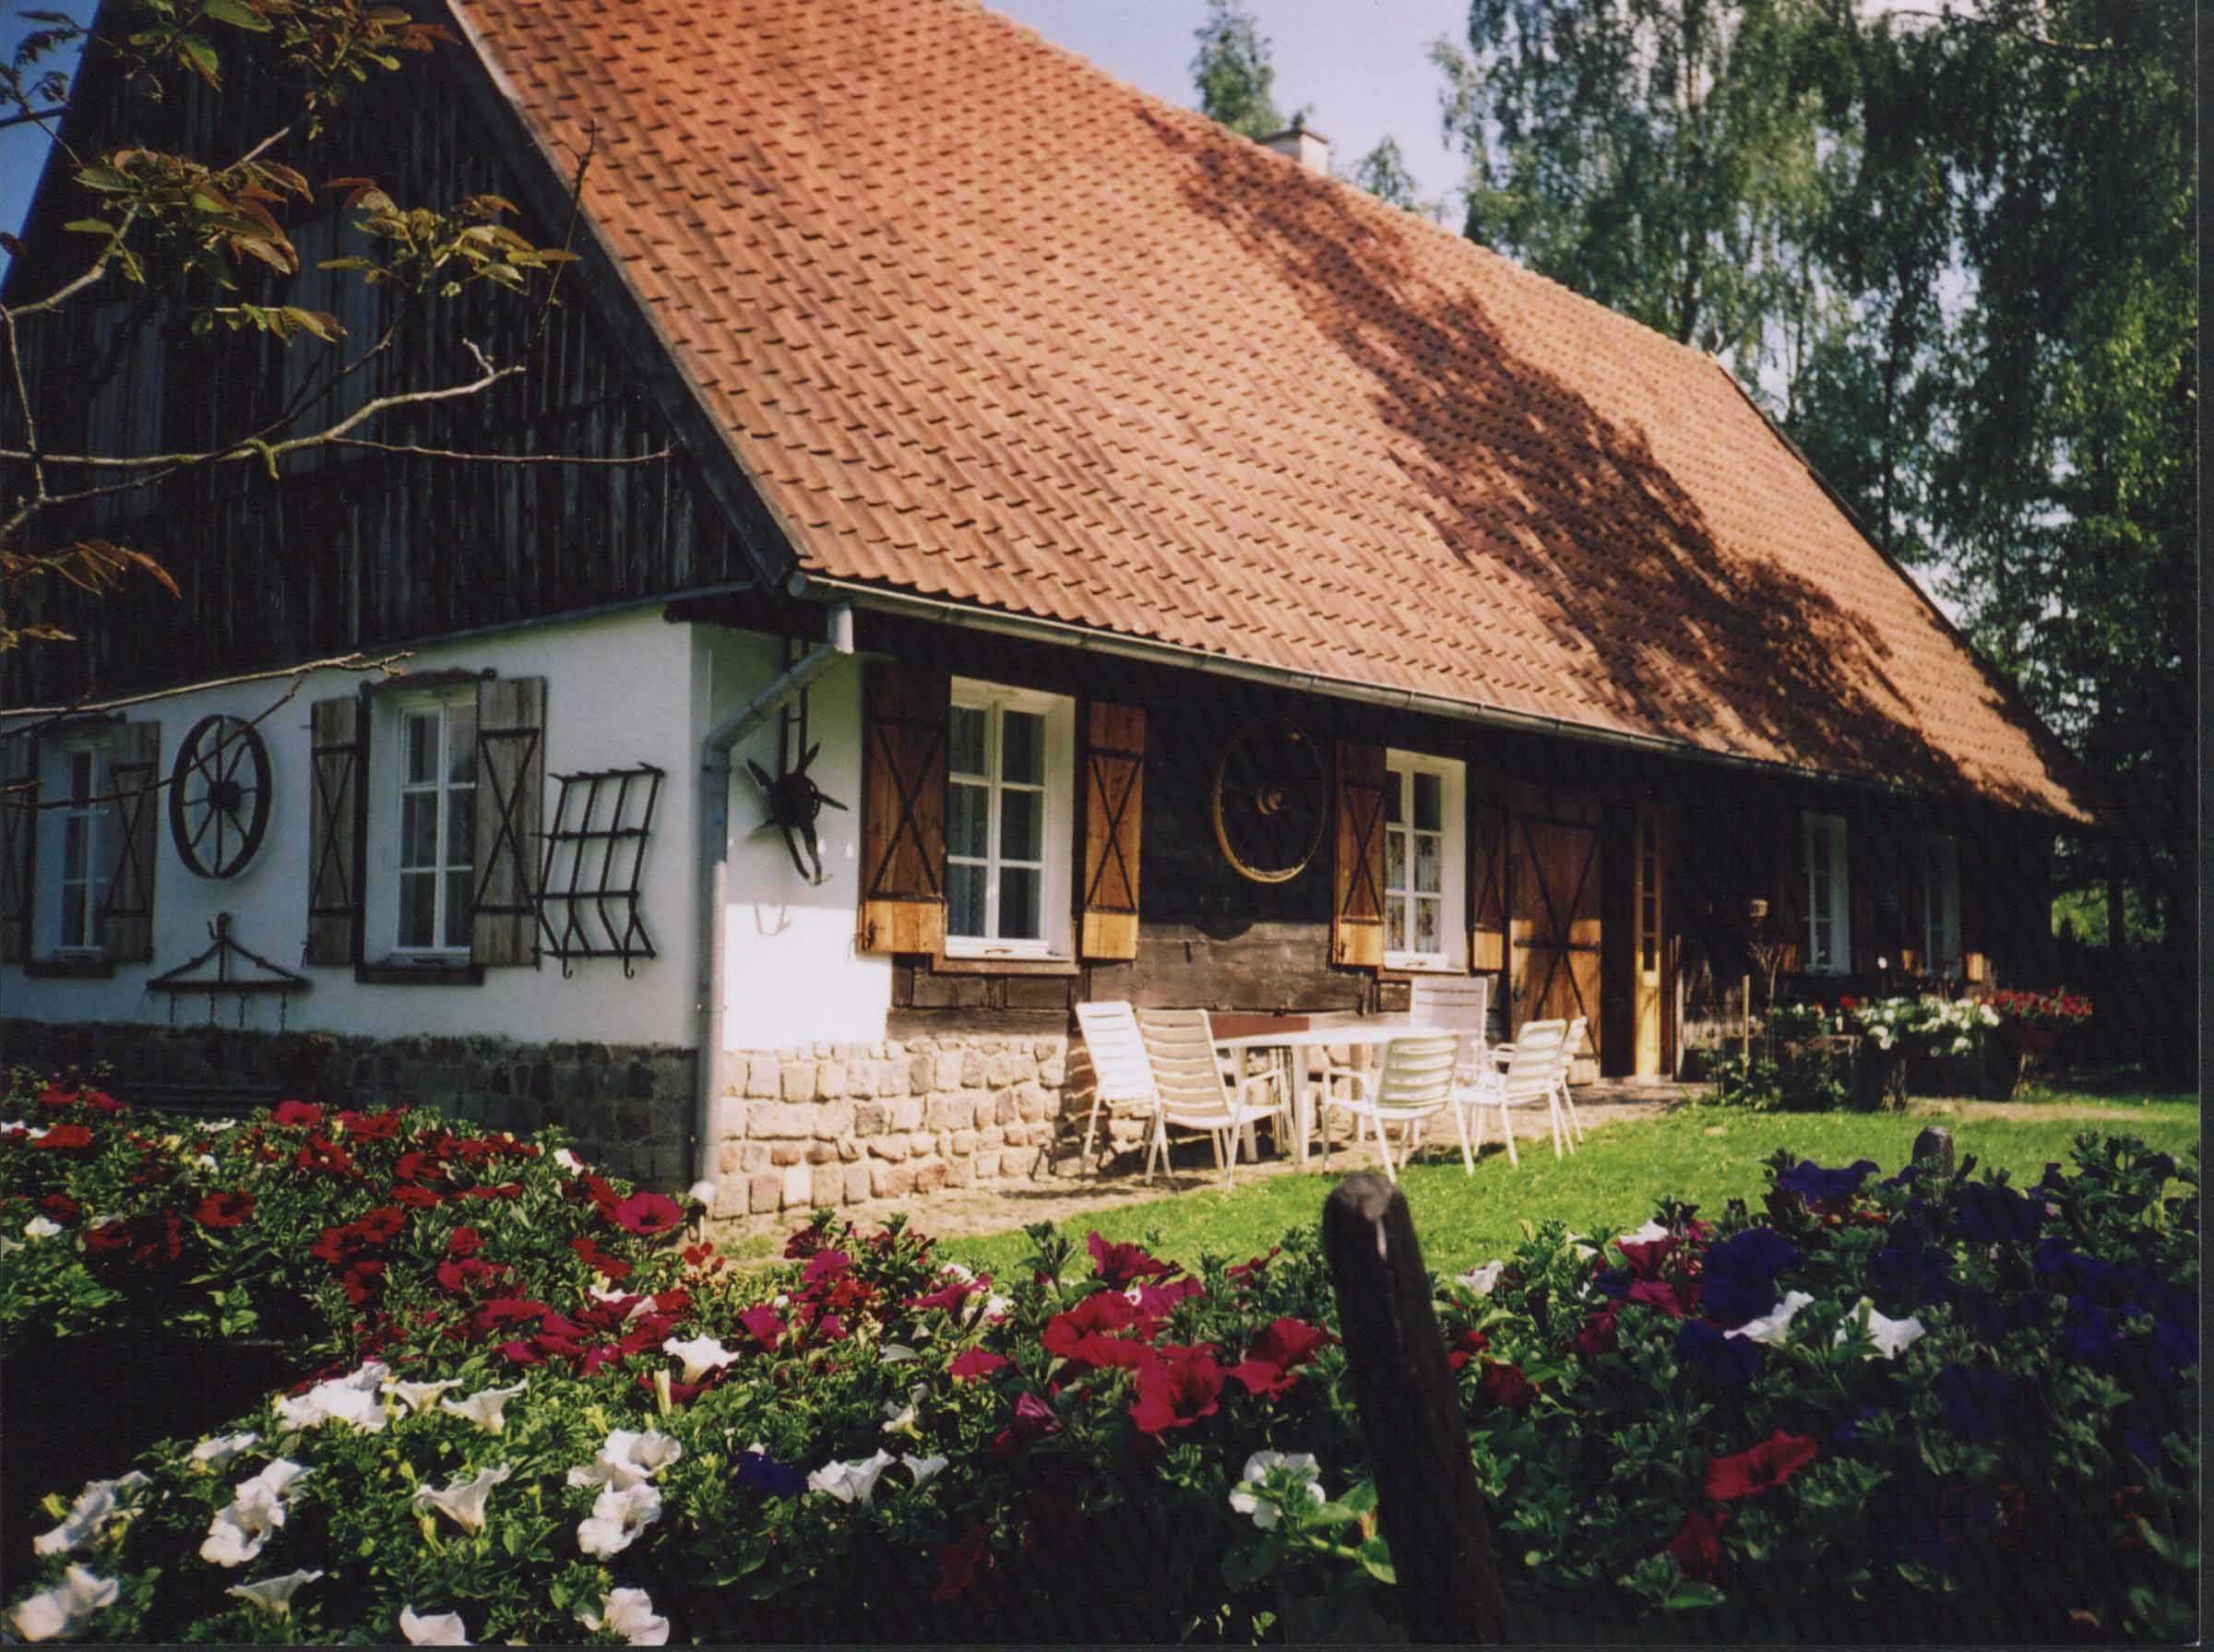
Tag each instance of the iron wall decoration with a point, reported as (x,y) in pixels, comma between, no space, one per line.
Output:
(228,956)
(595,858)
(1270,801)
(795,802)
(219,796)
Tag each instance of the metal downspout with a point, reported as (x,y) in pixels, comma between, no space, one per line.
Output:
(711,918)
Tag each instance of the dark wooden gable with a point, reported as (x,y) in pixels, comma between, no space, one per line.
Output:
(358,548)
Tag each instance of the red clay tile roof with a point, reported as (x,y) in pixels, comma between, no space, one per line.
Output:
(985,323)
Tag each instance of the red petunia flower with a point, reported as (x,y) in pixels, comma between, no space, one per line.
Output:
(1658,1293)
(103,1237)
(1269,1368)
(464,1242)
(1768,1465)
(1120,1264)
(306,1115)
(763,1324)
(321,1153)
(648,1214)
(1645,1259)
(224,1209)
(607,1267)
(160,1241)
(61,1208)
(975,1362)
(1596,1338)
(1090,1333)
(372,1126)
(414,1197)
(1033,1419)
(1177,1389)
(99,1101)
(1698,1546)
(65,1138)
(1247,1272)
(1466,1348)
(950,1296)
(415,1165)
(1504,1385)
(381,1225)
(54,1095)
(823,1266)
(1157,1299)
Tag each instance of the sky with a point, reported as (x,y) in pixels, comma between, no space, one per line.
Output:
(1364,65)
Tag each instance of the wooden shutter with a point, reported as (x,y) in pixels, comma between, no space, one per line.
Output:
(1787,922)
(1487,887)
(338,769)
(1357,887)
(127,913)
(18,835)
(1114,788)
(510,801)
(903,809)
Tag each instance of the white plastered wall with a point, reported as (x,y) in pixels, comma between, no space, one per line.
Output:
(791,975)
(619,693)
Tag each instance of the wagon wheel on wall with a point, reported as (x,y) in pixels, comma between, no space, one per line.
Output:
(219,796)
(1270,801)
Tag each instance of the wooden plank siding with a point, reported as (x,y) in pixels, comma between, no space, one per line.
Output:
(352,549)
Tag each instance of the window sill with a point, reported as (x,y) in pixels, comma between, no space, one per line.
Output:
(70,968)
(406,972)
(981,963)
(1402,968)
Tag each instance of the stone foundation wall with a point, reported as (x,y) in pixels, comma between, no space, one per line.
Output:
(834,1124)
(628,1106)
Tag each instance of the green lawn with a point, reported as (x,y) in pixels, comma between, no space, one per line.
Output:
(1705,1155)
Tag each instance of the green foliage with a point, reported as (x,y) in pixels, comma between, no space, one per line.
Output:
(1232,71)
(1383,172)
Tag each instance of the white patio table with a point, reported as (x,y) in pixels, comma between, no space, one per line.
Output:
(1290,1048)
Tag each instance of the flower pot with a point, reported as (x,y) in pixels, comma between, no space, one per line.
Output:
(75,1408)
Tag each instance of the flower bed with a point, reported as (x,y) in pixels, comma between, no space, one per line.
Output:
(1876,1408)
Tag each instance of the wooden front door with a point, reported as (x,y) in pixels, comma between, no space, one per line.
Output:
(1647,1009)
(1553,970)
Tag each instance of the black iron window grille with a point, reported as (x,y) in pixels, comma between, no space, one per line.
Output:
(595,856)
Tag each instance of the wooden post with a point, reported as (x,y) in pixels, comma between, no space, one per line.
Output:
(1933,1152)
(1744,987)
(1411,1418)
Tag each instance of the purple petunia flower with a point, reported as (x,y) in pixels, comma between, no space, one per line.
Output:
(1741,1274)
(1810,1180)
(1735,1361)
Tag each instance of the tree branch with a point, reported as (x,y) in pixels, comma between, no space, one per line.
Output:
(411,450)
(30,116)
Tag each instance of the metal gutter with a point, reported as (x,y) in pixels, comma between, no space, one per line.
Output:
(712,906)
(1061,634)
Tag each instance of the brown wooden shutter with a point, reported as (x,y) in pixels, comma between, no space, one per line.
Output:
(338,791)
(511,789)
(1114,788)
(1357,891)
(1787,922)
(1487,887)
(18,837)
(903,809)
(127,913)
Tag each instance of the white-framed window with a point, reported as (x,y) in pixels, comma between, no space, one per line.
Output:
(1828,897)
(434,824)
(1941,903)
(1424,852)
(84,854)
(1009,774)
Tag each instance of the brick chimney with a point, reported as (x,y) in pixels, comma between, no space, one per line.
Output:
(1311,150)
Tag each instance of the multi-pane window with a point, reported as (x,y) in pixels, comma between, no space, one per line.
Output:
(1648,896)
(1422,854)
(84,860)
(1007,804)
(1941,902)
(1829,943)
(437,826)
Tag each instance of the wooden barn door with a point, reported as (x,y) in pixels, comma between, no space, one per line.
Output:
(1554,971)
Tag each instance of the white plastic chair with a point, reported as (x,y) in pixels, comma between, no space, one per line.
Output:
(1527,1081)
(1414,1083)
(1455,1003)
(1570,1044)
(1193,1090)
(1122,1078)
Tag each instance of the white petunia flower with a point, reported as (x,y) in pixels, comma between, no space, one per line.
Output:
(1772,1326)
(94,1507)
(420,1396)
(702,1191)
(1481,1279)
(629,1613)
(462,1501)
(959,1273)
(274,1595)
(486,1408)
(851,1483)
(568,1160)
(923,1468)
(1892,1337)
(617,1517)
(700,1355)
(627,1459)
(440,1629)
(351,1399)
(1263,1511)
(41,1226)
(206,1162)
(1575,1241)
(241,1530)
(216,1453)
(900,1419)
(1644,1235)
(57,1614)
(894,1353)
(996,1308)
